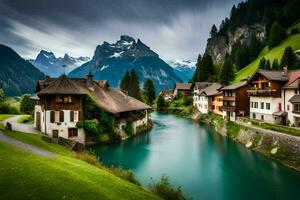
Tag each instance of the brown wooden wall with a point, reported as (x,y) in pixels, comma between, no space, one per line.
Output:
(242,99)
(49,102)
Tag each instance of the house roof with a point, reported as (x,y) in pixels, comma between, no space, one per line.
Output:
(295,99)
(211,90)
(235,85)
(183,86)
(166,92)
(293,80)
(201,85)
(273,75)
(110,99)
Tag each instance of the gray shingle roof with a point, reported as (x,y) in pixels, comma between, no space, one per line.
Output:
(213,89)
(235,85)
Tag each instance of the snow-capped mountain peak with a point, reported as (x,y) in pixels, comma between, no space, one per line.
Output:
(183,68)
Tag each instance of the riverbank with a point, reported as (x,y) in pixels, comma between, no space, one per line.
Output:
(279,146)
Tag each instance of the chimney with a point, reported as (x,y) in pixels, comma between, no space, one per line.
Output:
(285,71)
(89,80)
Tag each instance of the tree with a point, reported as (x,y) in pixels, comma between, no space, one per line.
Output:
(149,91)
(134,86)
(124,85)
(262,63)
(275,65)
(205,69)
(197,73)
(277,34)
(27,105)
(288,57)
(241,57)
(227,73)
(161,104)
(213,31)
(268,65)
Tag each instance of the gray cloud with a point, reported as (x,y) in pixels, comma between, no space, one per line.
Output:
(173,28)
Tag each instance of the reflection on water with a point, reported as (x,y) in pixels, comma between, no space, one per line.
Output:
(205,164)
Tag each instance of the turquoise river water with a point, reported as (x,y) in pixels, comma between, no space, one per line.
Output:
(205,164)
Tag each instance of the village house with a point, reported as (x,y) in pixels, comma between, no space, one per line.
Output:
(60,106)
(182,88)
(167,95)
(208,98)
(265,96)
(235,100)
(197,88)
(290,95)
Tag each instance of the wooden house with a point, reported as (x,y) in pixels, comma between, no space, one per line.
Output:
(265,95)
(182,88)
(235,100)
(60,106)
(167,95)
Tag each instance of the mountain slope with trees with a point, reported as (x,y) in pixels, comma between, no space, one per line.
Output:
(17,76)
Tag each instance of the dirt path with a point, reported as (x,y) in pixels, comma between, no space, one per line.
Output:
(16,126)
(6,139)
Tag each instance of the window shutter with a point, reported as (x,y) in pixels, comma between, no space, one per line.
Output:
(72,116)
(52,116)
(61,116)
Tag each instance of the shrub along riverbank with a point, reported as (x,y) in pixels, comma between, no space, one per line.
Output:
(275,145)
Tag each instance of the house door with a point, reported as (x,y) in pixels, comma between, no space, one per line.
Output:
(55,133)
(38,121)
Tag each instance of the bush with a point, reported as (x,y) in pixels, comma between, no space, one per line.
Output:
(165,190)
(88,157)
(129,130)
(5,108)
(232,129)
(90,126)
(127,175)
(104,138)
(27,105)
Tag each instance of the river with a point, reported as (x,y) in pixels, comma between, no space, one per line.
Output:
(205,164)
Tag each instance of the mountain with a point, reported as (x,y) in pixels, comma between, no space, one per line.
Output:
(17,76)
(52,66)
(111,61)
(184,69)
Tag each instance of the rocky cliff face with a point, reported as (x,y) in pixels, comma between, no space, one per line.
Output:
(219,45)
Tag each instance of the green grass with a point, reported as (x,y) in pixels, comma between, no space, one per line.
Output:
(277,52)
(5,116)
(26,119)
(233,129)
(36,140)
(28,176)
(180,107)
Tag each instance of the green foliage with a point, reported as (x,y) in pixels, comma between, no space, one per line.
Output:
(127,175)
(288,57)
(268,65)
(204,69)
(262,63)
(130,83)
(26,119)
(233,129)
(213,31)
(5,107)
(255,141)
(275,65)
(161,104)
(27,105)
(165,190)
(294,31)
(106,122)
(277,34)
(227,73)
(292,10)
(129,130)
(87,156)
(91,127)
(149,91)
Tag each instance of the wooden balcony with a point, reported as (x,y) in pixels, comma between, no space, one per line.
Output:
(228,108)
(228,98)
(260,92)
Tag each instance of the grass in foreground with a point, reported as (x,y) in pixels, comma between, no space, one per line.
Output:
(26,119)
(28,176)
(5,116)
(277,52)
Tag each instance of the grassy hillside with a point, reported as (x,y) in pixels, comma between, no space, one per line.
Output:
(293,41)
(27,176)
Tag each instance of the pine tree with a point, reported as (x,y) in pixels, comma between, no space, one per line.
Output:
(124,85)
(195,77)
(241,57)
(268,65)
(227,73)
(149,91)
(161,104)
(288,57)
(134,88)
(213,31)
(277,34)
(275,65)
(206,70)
(262,63)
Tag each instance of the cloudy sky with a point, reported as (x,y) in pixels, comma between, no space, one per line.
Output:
(175,29)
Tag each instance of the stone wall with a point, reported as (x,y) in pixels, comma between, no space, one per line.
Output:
(279,146)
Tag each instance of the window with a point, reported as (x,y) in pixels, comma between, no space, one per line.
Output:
(296,107)
(213,107)
(288,107)
(268,106)
(255,104)
(262,117)
(251,104)
(72,132)
(262,105)
(56,116)
(253,115)
(74,116)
